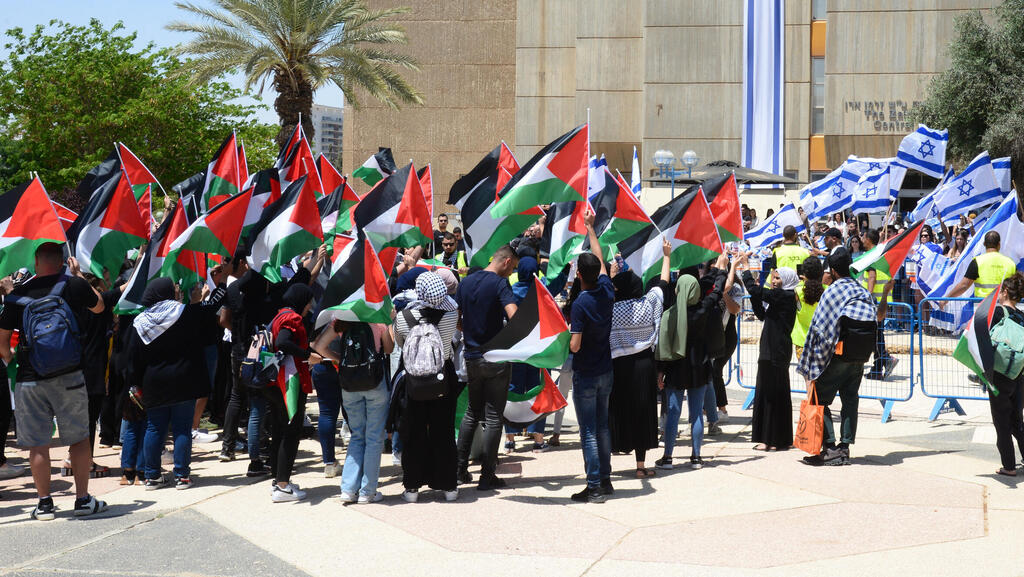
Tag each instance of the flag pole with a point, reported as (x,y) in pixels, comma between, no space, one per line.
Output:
(885,222)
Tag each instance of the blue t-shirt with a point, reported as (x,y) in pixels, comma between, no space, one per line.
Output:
(482,297)
(592,317)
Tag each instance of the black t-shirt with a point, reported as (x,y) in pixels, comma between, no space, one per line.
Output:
(972,270)
(96,344)
(77,293)
(248,302)
(436,245)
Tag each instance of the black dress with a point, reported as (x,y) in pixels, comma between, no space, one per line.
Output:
(633,404)
(772,422)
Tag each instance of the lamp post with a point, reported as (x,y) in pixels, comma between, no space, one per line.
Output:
(690,159)
(665,161)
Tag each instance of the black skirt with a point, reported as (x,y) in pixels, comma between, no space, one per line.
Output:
(633,405)
(773,407)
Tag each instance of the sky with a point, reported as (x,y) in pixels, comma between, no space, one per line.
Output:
(146,17)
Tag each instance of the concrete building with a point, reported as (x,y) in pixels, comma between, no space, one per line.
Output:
(655,74)
(328,124)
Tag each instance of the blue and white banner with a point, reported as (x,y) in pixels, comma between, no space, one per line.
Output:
(974,188)
(1001,166)
(838,196)
(770,231)
(764,34)
(925,208)
(873,195)
(595,175)
(925,150)
(634,177)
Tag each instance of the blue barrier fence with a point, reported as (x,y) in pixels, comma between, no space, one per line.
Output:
(946,380)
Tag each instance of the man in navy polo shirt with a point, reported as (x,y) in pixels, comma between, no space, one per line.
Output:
(591,324)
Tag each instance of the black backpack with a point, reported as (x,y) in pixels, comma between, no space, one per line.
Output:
(361,367)
(856,341)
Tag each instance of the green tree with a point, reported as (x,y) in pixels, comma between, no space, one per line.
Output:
(300,45)
(68,92)
(978,98)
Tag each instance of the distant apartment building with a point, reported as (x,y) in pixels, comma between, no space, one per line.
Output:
(327,122)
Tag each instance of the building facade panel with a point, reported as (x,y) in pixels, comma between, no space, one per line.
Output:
(609,18)
(712,111)
(547,23)
(609,64)
(693,13)
(694,54)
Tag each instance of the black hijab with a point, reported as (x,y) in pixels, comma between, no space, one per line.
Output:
(161,289)
(627,286)
(297,297)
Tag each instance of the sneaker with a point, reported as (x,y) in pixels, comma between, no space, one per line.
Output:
(696,462)
(89,505)
(588,495)
(182,483)
(554,441)
(347,497)
(723,415)
(510,447)
(465,477)
(153,484)
(9,471)
(44,511)
(890,364)
(606,487)
(201,437)
(815,460)
(714,430)
(396,459)
(451,495)
(541,447)
(411,496)
(240,447)
(330,470)
(664,463)
(491,484)
(226,456)
(837,457)
(374,498)
(257,469)
(346,432)
(288,494)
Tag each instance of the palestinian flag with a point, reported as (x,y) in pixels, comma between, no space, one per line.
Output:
(264,188)
(109,226)
(291,387)
(376,167)
(99,174)
(223,179)
(146,268)
(27,220)
(617,214)
(282,155)
(563,235)
(217,231)
(536,335)
(336,206)
(888,257)
(558,173)
(358,288)
(394,215)
(191,189)
(299,163)
(974,350)
(523,409)
(427,186)
(432,264)
(66,215)
(142,181)
(688,224)
(185,267)
(724,199)
(243,164)
(287,228)
(475,194)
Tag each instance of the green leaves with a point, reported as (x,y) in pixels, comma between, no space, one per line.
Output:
(68,92)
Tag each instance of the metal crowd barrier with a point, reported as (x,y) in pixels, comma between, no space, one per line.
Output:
(888,389)
(946,380)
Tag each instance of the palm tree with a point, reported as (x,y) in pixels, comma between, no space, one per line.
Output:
(300,45)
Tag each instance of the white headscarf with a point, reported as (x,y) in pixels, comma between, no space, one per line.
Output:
(790,280)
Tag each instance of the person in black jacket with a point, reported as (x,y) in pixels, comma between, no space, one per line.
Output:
(772,423)
(692,373)
(167,360)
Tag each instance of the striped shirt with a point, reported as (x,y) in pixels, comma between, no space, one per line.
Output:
(446,326)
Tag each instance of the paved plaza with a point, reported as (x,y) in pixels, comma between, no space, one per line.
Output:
(920,499)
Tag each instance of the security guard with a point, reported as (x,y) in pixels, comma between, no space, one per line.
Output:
(789,253)
(451,257)
(987,270)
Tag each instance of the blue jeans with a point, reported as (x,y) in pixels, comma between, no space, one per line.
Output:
(131,444)
(328,398)
(673,408)
(367,415)
(711,405)
(695,403)
(257,412)
(590,397)
(179,417)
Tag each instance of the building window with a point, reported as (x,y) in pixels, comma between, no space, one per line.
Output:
(814,176)
(817,95)
(819,9)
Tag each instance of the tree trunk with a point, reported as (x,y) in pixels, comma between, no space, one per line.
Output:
(292,101)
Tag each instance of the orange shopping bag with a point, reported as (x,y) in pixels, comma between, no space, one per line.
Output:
(810,430)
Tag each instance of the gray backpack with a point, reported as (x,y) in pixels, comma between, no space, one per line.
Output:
(423,359)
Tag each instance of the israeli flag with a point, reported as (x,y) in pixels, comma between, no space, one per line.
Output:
(925,150)
(1001,166)
(930,265)
(1011,233)
(634,177)
(595,175)
(839,195)
(925,208)
(770,231)
(973,189)
(873,195)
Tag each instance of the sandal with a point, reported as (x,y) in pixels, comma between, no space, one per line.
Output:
(760,447)
(1007,472)
(98,471)
(644,472)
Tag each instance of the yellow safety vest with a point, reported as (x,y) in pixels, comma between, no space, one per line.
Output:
(460,261)
(993,267)
(790,255)
(514,277)
(880,279)
(803,318)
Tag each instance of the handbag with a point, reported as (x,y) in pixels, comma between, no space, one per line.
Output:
(810,430)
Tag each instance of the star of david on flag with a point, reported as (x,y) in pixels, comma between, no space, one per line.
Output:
(973,189)
(770,231)
(924,150)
